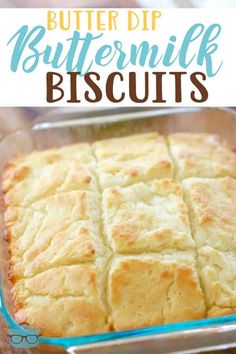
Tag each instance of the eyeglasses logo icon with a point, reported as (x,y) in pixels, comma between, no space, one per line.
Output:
(24,338)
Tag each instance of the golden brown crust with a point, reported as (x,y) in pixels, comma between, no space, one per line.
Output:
(24,188)
(151,290)
(218,277)
(212,211)
(201,155)
(51,316)
(20,167)
(221,312)
(63,301)
(57,253)
(146,217)
(63,225)
(128,160)
(38,243)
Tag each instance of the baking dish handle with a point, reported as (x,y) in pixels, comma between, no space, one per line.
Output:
(182,342)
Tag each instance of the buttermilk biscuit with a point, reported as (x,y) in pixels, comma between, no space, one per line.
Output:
(47,165)
(24,183)
(79,152)
(128,160)
(152,290)
(63,301)
(146,217)
(212,209)
(218,277)
(201,155)
(58,230)
(100,237)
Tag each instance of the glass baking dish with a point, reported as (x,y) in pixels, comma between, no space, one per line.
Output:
(63,127)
